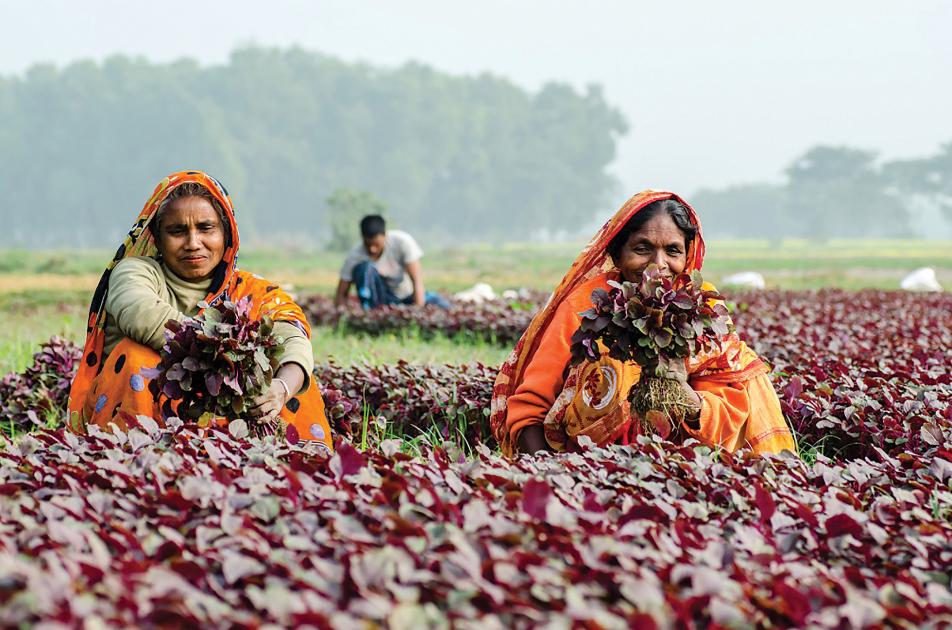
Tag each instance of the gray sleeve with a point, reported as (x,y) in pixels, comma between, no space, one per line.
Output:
(347,269)
(296,348)
(135,303)
(410,251)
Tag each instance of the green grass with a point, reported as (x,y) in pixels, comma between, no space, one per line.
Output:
(376,430)
(793,264)
(31,319)
(46,293)
(348,348)
(64,262)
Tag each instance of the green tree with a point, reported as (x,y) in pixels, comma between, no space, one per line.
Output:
(345,209)
(475,157)
(924,181)
(745,211)
(839,192)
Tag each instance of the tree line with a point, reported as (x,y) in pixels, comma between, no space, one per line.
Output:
(472,157)
(838,192)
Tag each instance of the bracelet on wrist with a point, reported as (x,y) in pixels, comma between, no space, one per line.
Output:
(287,390)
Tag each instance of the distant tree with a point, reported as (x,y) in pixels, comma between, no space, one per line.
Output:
(745,211)
(345,209)
(476,157)
(839,192)
(924,181)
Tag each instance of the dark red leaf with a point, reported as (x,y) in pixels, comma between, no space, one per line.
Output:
(535,498)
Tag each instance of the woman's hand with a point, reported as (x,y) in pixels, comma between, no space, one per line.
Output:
(532,440)
(677,370)
(267,407)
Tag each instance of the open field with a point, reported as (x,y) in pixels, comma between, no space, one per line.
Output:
(46,293)
(791,265)
(161,527)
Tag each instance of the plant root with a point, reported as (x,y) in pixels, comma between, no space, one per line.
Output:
(652,397)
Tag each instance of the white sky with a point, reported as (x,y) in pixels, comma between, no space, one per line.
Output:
(715,92)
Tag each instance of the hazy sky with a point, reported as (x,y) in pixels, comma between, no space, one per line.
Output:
(715,92)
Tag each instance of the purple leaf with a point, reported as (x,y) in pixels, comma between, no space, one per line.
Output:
(535,498)
(213,382)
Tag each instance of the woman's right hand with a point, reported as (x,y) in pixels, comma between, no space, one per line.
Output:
(532,440)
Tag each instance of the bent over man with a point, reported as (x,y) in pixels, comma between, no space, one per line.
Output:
(385,269)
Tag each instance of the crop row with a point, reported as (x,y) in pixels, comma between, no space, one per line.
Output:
(855,372)
(159,528)
(500,321)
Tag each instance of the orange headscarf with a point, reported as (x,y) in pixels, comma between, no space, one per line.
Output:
(228,283)
(733,363)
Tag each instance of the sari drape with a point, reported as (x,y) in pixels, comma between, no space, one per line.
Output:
(536,384)
(111,389)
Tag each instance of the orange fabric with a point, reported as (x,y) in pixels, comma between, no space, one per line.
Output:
(543,380)
(742,414)
(98,376)
(537,385)
(120,392)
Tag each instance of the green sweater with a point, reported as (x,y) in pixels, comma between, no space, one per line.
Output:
(144,294)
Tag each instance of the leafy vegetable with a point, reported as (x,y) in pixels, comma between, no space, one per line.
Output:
(38,395)
(447,401)
(498,321)
(158,528)
(657,323)
(217,363)
(857,373)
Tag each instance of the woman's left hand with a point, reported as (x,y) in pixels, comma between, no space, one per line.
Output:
(268,405)
(677,370)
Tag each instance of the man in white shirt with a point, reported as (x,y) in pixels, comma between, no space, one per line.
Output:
(385,268)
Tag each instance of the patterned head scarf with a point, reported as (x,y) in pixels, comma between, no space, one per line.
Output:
(594,260)
(141,242)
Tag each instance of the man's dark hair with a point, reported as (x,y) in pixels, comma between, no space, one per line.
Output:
(677,212)
(372,225)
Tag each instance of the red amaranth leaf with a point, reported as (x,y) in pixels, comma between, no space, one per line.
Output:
(840,524)
(765,503)
(350,460)
(291,434)
(535,498)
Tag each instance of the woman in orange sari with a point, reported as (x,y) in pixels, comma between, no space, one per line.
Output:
(542,402)
(182,250)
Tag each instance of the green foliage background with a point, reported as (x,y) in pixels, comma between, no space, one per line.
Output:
(82,147)
(453,158)
(345,208)
(838,192)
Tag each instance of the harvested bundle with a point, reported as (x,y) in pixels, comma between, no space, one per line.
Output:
(215,364)
(657,323)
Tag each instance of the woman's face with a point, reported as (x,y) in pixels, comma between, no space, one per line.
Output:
(191,238)
(659,241)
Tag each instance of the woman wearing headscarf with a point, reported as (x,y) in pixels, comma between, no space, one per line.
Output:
(542,402)
(181,251)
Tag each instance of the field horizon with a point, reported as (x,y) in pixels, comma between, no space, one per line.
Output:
(46,293)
